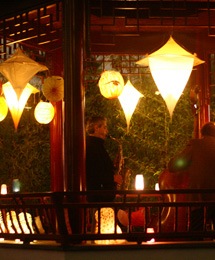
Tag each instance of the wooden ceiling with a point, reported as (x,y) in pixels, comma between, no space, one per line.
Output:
(154,13)
(39,28)
(117,24)
(38,24)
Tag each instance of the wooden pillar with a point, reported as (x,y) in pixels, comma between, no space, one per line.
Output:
(204,91)
(56,150)
(74,94)
(74,136)
(56,129)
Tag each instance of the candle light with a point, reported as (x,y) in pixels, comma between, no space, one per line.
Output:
(139,182)
(157,186)
(3,189)
(16,185)
(150,230)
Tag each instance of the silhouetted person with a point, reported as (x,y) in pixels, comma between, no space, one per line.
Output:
(100,173)
(198,160)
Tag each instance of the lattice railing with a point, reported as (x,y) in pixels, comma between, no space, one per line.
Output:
(67,217)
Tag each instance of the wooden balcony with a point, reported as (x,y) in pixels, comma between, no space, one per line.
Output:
(66,219)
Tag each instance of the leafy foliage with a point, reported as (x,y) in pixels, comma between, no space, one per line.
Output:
(152,140)
(25,153)
(153,137)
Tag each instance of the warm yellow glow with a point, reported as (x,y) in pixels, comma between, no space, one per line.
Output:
(171,75)
(171,67)
(17,104)
(139,182)
(16,185)
(111,84)
(53,88)
(25,220)
(150,231)
(157,186)
(3,108)
(3,189)
(107,225)
(19,69)
(2,224)
(128,100)
(44,112)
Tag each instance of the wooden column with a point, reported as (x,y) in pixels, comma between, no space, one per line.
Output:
(56,153)
(74,136)
(74,94)
(202,81)
(56,129)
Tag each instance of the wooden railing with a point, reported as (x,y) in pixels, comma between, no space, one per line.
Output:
(67,217)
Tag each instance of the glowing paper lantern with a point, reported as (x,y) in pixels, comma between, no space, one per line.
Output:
(2,225)
(149,231)
(19,223)
(157,186)
(53,88)
(107,225)
(171,67)
(44,112)
(16,185)
(26,222)
(3,108)
(129,99)
(4,189)
(139,182)
(111,84)
(18,70)
(16,103)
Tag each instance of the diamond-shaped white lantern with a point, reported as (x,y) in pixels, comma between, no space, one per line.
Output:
(18,70)
(129,99)
(171,66)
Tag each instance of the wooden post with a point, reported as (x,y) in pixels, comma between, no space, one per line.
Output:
(74,136)
(56,129)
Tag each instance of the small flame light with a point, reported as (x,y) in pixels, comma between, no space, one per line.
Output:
(149,231)
(157,186)
(16,185)
(3,189)
(139,182)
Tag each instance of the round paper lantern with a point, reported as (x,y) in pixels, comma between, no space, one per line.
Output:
(44,112)
(53,88)
(111,84)
(3,108)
